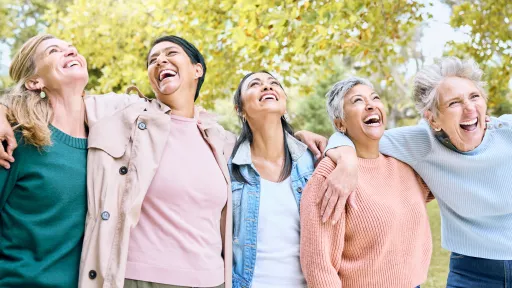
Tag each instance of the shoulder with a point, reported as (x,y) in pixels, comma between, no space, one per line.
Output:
(324,168)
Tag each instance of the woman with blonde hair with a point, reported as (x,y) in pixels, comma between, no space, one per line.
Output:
(43,194)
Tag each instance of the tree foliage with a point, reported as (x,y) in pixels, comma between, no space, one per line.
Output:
(490,30)
(292,38)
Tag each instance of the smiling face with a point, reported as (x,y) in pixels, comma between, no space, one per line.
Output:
(170,70)
(461,116)
(364,115)
(262,95)
(57,64)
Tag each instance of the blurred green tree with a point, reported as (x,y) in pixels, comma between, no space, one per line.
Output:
(289,37)
(489,25)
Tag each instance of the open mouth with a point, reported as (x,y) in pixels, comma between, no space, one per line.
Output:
(268,96)
(72,63)
(470,125)
(372,120)
(167,73)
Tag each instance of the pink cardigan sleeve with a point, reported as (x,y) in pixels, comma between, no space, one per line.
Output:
(321,245)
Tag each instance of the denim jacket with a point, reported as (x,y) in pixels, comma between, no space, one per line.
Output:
(246,204)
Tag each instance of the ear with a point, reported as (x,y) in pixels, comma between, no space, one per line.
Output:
(34,84)
(340,125)
(432,120)
(199,70)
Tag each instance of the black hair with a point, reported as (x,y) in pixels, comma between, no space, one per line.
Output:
(246,135)
(192,53)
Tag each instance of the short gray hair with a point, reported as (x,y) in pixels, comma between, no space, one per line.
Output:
(428,79)
(336,95)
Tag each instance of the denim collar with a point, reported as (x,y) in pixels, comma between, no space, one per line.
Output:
(243,155)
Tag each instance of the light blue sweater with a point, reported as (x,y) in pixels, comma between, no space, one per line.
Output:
(473,189)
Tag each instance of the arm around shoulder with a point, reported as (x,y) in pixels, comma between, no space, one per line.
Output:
(100,106)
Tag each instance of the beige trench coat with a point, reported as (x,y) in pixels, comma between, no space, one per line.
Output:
(127,135)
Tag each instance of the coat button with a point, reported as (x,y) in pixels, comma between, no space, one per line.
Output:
(92,274)
(142,126)
(123,170)
(299,189)
(105,215)
(500,125)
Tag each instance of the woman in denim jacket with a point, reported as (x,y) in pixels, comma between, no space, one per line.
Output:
(269,169)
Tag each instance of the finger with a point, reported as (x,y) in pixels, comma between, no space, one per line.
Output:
(338,210)
(5,164)
(322,144)
(330,208)
(11,145)
(315,151)
(323,190)
(3,154)
(325,200)
(352,200)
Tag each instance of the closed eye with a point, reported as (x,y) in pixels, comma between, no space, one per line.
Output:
(53,50)
(453,103)
(475,96)
(171,53)
(275,83)
(151,61)
(377,97)
(254,84)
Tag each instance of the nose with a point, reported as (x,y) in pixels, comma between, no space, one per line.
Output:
(161,59)
(469,106)
(267,87)
(369,106)
(71,51)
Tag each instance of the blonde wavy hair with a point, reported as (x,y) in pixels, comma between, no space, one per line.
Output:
(28,112)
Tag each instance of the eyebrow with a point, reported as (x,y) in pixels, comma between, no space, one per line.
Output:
(55,46)
(362,95)
(158,52)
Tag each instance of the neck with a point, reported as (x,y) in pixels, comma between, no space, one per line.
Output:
(180,105)
(367,149)
(69,113)
(268,139)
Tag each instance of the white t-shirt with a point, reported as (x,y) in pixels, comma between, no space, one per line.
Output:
(278,251)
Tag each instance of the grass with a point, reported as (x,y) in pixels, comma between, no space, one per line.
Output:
(438,270)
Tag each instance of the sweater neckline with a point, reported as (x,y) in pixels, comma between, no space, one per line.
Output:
(370,162)
(79,143)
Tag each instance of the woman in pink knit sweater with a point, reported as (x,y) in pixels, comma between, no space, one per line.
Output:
(383,241)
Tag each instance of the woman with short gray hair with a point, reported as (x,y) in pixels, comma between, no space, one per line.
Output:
(385,241)
(466,163)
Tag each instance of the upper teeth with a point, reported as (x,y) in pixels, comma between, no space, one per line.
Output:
(269,97)
(470,122)
(376,117)
(167,71)
(71,63)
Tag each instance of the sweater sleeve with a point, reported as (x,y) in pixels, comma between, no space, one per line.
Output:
(321,243)
(8,177)
(409,144)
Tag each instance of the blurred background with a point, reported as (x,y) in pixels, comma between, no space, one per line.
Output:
(308,45)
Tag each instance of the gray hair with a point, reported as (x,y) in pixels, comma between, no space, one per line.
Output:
(428,79)
(336,95)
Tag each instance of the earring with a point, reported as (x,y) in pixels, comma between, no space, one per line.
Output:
(437,129)
(42,94)
(243,119)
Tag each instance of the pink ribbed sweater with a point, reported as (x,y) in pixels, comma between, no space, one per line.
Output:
(384,242)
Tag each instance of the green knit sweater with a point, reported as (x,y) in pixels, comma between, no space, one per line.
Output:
(43,203)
